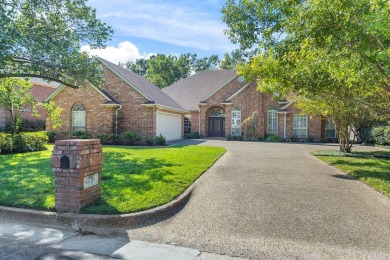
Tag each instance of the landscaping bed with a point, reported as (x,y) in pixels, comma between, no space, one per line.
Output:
(372,168)
(133,178)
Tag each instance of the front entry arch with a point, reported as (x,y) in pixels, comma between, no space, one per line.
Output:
(216,123)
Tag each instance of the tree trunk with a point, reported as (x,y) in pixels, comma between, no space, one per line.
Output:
(343,131)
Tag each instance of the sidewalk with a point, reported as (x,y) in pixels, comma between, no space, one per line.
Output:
(25,241)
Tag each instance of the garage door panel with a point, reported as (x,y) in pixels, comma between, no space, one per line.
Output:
(169,125)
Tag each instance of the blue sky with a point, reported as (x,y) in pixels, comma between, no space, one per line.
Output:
(145,27)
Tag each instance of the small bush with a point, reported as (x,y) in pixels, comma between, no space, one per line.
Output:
(103,138)
(235,138)
(27,125)
(113,138)
(310,139)
(229,137)
(194,135)
(260,138)
(6,143)
(82,134)
(375,135)
(240,138)
(160,140)
(272,138)
(130,137)
(52,136)
(149,140)
(23,142)
(293,138)
(324,140)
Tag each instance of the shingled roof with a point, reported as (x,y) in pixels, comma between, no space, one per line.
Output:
(189,92)
(152,93)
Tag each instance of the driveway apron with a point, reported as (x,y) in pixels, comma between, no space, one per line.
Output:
(276,201)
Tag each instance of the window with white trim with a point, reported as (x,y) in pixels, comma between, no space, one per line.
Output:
(236,121)
(300,126)
(187,126)
(272,126)
(78,118)
(330,131)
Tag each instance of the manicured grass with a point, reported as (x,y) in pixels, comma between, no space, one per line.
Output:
(133,178)
(372,168)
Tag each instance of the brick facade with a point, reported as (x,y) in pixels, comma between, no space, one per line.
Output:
(249,100)
(99,119)
(133,113)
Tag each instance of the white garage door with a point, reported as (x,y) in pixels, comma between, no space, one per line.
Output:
(169,125)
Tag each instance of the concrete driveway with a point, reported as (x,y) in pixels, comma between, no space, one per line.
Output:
(276,201)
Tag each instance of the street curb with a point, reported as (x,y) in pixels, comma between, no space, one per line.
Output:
(100,224)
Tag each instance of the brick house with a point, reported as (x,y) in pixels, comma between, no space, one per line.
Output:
(127,102)
(219,101)
(40,90)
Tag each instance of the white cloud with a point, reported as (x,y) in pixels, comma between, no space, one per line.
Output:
(126,51)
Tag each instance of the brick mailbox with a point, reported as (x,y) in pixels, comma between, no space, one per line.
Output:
(77,167)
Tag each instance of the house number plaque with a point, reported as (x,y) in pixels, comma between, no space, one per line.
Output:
(91,180)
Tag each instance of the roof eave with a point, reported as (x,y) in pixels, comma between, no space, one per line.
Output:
(165,107)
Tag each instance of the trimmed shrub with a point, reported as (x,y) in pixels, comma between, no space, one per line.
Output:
(272,138)
(52,136)
(375,135)
(324,140)
(160,140)
(113,138)
(27,125)
(130,137)
(194,135)
(310,139)
(6,143)
(293,138)
(240,138)
(23,142)
(229,137)
(260,138)
(149,140)
(82,135)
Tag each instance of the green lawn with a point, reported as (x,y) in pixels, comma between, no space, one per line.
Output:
(372,168)
(133,178)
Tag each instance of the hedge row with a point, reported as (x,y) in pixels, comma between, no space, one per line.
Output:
(23,142)
(375,135)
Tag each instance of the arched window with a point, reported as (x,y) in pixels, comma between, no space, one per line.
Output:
(272,126)
(187,126)
(236,121)
(217,112)
(78,118)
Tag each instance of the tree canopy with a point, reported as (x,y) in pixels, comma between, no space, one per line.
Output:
(43,39)
(333,55)
(164,70)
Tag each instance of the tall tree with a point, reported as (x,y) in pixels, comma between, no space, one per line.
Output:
(334,54)
(15,97)
(139,66)
(43,39)
(206,63)
(230,61)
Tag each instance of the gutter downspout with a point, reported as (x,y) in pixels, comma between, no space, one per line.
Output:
(285,127)
(116,119)
(199,120)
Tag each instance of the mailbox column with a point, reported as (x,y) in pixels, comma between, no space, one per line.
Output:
(77,167)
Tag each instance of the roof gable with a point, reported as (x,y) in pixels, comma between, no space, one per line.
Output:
(189,92)
(104,93)
(146,88)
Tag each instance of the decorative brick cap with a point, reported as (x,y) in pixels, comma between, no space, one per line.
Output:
(77,142)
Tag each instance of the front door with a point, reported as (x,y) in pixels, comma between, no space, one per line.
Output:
(216,127)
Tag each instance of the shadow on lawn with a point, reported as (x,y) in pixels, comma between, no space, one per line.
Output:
(363,170)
